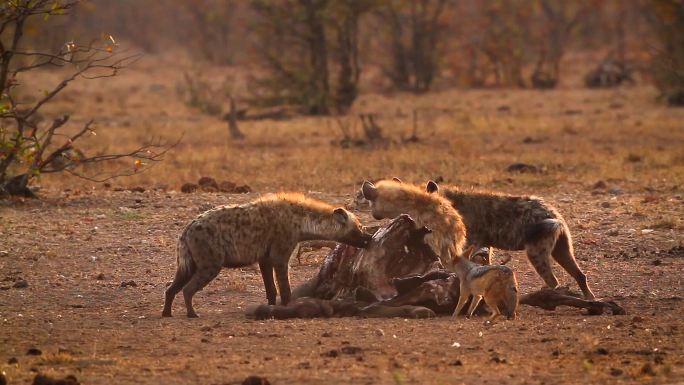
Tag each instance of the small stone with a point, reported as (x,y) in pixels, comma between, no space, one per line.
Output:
(555,352)
(613,232)
(605,205)
(332,353)
(13,360)
(137,189)
(20,284)
(599,185)
(351,349)
(326,334)
(648,370)
(33,352)
(189,188)
(456,363)
(616,191)
(379,332)
(634,158)
(129,283)
(100,277)
(615,372)
(602,351)
(255,380)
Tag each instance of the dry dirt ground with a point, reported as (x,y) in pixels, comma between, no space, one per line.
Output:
(97,260)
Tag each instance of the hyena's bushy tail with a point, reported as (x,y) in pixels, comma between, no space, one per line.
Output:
(186,265)
(551,227)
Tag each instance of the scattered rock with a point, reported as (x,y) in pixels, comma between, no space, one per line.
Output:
(634,158)
(657,262)
(602,351)
(351,349)
(615,372)
(555,352)
(207,183)
(20,284)
(130,283)
(326,334)
(189,188)
(41,379)
(255,380)
(647,369)
(524,168)
(12,360)
(34,352)
(605,205)
(599,185)
(499,360)
(504,108)
(244,189)
(332,353)
(4,254)
(613,232)
(226,186)
(379,332)
(531,140)
(456,363)
(616,191)
(100,277)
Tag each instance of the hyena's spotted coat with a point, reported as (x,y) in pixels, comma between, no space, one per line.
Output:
(264,231)
(515,223)
(390,198)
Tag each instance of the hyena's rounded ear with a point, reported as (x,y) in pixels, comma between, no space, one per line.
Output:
(431,187)
(341,215)
(369,191)
(397,180)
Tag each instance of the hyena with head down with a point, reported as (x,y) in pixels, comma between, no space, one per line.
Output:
(510,222)
(390,198)
(266,231)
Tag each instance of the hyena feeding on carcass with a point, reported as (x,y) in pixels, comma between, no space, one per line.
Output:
(515,223)
(266,231)
(390,198)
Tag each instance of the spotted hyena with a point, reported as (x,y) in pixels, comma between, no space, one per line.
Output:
(390,198)
(511,222)
(266,231)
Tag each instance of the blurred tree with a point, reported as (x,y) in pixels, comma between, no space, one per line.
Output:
(29,146)
(561,18)
(300,41)
(415,30)
(667,63)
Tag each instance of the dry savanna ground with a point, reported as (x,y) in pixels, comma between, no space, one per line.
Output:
(82,269)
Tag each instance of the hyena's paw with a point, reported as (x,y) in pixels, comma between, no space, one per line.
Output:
(166,313)
(192,314)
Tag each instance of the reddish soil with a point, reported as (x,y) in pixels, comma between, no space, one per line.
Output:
(77,251)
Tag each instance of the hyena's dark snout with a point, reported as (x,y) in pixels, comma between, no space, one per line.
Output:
(362,240)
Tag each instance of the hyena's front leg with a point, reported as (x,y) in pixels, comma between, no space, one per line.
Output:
(280,255)
(266,268)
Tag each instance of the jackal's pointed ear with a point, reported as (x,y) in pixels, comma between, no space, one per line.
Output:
(431,187)
(468,252)
(369,191)
(397,180)
(341,215)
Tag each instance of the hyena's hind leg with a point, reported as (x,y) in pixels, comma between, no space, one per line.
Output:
(563,254)
(202,277)
(181,278)
(539,255)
